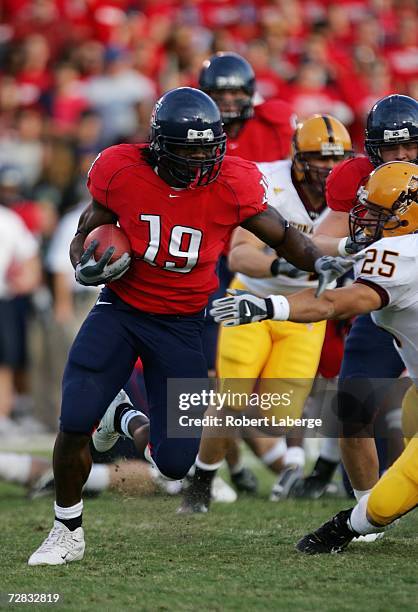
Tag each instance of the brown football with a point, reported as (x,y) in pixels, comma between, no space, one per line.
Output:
(108,235)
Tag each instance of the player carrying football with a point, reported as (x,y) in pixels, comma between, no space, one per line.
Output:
(178,201)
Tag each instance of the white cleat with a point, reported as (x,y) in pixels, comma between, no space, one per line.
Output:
(61,546)
(105,436)
(369,537)
(222,492)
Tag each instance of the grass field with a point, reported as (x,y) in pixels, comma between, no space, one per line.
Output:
(142,556)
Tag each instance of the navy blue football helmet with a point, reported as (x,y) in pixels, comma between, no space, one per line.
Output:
(229,72)
(187,138)
(392,120)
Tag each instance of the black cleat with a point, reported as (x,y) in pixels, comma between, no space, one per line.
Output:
(315,485)
(245,481)
(196,496)
(311,487)
(283,487)
(332,537)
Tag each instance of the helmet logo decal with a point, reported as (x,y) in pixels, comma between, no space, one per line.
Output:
(231,80)
(200,134)
(389,135)
(362,195)
(332,148)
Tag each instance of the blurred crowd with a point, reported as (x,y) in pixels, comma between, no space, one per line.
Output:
(79,75)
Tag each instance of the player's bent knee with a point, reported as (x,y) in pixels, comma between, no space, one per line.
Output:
(174,470)
(83,404)
(173,459)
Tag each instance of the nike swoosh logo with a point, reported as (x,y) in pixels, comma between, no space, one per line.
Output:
(100,302)
(170,195)
(247,310)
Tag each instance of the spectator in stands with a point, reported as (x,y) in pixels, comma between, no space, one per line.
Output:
(19,275)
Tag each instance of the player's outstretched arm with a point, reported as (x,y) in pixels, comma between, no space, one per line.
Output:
(298,249)
(241,307)
(92,216)
(288,242)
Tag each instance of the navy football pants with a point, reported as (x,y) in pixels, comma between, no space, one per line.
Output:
(369,354)
(103,356)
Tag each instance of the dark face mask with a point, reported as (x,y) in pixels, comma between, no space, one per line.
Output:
(235,105)
(187,169)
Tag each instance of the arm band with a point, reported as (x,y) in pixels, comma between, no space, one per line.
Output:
(341,247)
(278,307)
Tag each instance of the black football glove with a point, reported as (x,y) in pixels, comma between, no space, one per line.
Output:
(92,272)
(330,268)
(348,246)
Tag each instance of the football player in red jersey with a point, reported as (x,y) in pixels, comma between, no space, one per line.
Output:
(261,132)
(178,200)
(391,135)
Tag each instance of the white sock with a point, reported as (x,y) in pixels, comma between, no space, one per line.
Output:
(208,467)
(360,494)
(99,478)
(70,512)
(295,455)
(276,452)
(358,519)
(15,468)
(394,419)
(126,418)
(330,450)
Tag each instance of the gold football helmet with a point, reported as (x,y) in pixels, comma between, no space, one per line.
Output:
(387,203)
(320,137)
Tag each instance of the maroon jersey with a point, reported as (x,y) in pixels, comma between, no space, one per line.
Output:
(267,136)
(176,235)
(344,181)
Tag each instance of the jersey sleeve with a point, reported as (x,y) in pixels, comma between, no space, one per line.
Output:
(103,179)
(387,270)
(252,195)
(343,183)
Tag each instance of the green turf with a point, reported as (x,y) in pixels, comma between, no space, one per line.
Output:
(142,556)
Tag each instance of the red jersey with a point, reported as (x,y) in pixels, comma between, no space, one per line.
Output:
(344,181)
(176,235)
(267,136)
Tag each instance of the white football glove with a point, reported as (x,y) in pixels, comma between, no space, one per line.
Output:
(241,308)
(330,268)
(92,272)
